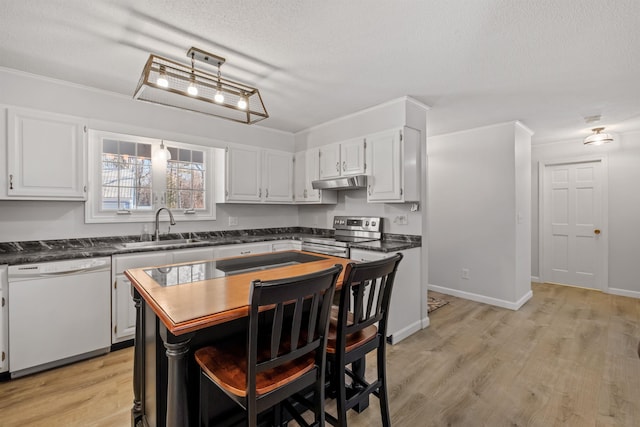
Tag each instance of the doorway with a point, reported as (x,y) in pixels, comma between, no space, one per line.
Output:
(573,222)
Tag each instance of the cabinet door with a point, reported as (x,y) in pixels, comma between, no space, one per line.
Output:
(245,249)
(189,255)
(123,311)
(46,156)
(4,324)
(330,161)
(278,176)
(352,154)
(299,177)
(312,166)
(124,324)
(244,174)
(384,158)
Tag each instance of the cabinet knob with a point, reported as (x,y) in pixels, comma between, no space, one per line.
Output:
(596,231)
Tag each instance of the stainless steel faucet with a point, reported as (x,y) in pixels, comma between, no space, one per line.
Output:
(171,221)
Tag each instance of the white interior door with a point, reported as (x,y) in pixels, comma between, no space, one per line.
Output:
(573,225)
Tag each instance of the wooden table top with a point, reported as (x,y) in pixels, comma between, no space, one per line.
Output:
(189,307)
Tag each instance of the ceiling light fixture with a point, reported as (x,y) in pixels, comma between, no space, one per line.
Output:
(171,83)
(597,137)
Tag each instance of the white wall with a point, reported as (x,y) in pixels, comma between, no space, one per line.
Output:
(472,214)
(623,158)
(27,220)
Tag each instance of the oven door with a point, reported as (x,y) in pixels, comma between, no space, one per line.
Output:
(326,249)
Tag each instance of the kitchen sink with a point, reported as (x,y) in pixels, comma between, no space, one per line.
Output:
(156,243)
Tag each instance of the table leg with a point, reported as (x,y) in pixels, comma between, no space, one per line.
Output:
(177,349)
(137,411)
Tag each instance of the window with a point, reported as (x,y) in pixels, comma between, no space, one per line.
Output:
(126,175)
(130,177)
(186,179)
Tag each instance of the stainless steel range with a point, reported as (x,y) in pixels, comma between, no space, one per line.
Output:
(348,229)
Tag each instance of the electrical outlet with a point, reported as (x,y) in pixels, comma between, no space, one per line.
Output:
(464,273)
(401,219)
(233,220)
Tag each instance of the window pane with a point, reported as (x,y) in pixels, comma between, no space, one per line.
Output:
(198,199)
(184,177)
(110,146)
(197,156)
(143,199)
(184,155)
(172,199)
(185,200)
(128,148)
(174,152)
(144,150)
(197,180)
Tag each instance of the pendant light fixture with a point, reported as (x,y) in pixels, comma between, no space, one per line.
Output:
(167,82)
(597,137)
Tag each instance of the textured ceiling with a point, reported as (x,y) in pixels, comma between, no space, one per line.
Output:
(548,63)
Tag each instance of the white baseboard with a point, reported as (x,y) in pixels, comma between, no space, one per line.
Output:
(535,279)
(482,298)
(403,333)
(624,292)
(426,322)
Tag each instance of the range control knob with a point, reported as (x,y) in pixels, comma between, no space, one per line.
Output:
(366,223)
(373,223)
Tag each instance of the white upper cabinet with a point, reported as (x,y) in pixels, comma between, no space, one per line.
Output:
(342,159)
(307,170)
(244,174)
(277,177)
(392,158)
(45,156)
(254,175)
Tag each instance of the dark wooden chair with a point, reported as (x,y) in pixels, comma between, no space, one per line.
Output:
(357,327)
(283,352)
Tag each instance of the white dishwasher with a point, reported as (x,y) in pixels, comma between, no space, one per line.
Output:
(59,312)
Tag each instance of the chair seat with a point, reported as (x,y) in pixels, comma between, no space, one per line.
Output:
(353,340)
(226,364)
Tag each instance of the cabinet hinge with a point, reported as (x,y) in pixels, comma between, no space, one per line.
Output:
(3,301)
(10,181)
(226,149)
(401,191)
(226,193)
(400,132)
(115,284)
(115,329)
(365,143)
(85,129)
(365,167)
(85,188)
(3,356)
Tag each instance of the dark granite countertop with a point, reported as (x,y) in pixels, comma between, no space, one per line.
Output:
(13,253)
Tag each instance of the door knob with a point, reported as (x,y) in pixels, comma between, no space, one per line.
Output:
(596,231)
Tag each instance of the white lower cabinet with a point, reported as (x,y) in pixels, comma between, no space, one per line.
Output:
(123,311)
(405,311)
(4,321)
(287,245)
(242,249)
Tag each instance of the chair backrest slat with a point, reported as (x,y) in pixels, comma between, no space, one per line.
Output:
(366,293)
(291,316)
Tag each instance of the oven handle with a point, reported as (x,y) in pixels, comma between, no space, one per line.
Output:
(325,250)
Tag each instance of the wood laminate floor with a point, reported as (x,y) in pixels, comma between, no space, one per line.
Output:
(567,358)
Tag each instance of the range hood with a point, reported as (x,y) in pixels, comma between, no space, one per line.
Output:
(341,183)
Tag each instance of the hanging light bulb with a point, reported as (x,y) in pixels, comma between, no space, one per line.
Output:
(164,154)
(192,89)
(219,97)
(162,78)
(242,103)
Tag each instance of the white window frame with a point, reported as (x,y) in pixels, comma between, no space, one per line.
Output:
(93,207)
